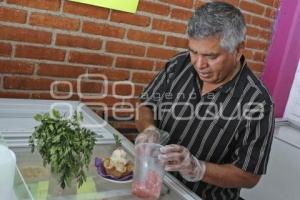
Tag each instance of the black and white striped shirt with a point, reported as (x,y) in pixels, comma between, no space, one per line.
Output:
(232,124)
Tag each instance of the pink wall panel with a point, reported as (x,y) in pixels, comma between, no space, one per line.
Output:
(284,53)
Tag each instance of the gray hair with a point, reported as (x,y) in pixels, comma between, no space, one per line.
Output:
(218,19)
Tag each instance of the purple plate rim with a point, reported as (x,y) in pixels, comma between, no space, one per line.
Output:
(101,171)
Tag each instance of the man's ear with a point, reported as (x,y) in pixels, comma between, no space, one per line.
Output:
(239,51)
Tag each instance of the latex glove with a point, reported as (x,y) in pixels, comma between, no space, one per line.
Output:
(179,158)
(149,135)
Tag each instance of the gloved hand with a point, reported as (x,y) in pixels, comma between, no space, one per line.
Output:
(179,158)
(149,135)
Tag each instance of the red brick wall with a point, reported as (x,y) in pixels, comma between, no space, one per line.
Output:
(42,41)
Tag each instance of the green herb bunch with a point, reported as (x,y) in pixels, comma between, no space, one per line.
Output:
(64,145)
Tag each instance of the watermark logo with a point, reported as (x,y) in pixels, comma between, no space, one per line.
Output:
(177,106)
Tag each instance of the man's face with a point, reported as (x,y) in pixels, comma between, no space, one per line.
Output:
(213,64)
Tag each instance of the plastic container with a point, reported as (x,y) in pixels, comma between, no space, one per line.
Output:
(7,173)
(148,171)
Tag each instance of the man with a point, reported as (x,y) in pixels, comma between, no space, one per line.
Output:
(219,116)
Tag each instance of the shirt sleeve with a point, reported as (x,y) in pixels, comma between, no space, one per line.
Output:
(254,143)
(154,92)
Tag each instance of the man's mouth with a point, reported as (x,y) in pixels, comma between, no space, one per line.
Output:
(204,74)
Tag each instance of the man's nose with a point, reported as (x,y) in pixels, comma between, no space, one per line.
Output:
(201,62)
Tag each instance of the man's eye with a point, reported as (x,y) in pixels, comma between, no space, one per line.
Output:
(212,57)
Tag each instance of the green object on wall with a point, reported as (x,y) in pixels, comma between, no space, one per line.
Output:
(123,5)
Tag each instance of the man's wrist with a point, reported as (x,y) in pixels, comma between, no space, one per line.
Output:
(197,173)
(201,166)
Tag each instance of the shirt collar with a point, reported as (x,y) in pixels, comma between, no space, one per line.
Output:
(237,82)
